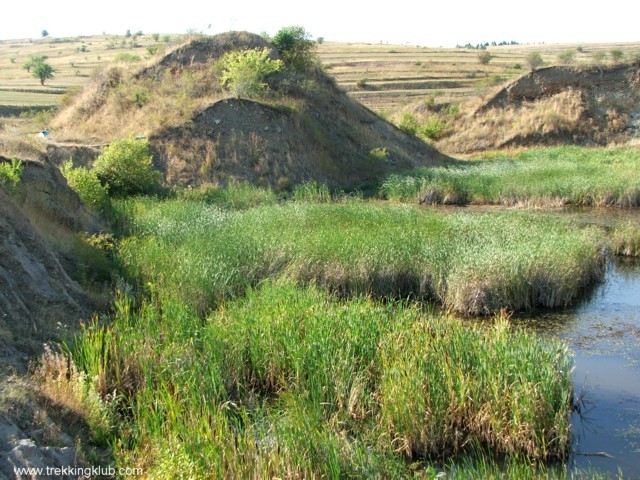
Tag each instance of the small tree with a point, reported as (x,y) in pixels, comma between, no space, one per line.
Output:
(11,174)
(125,166)
(43,71)
(534,60)
(44,33)
(484,57)
(599,58)
(244,71)
(296,47)
(33,61)
(567,57)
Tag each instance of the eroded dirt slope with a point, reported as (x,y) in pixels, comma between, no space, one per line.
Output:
(39,303)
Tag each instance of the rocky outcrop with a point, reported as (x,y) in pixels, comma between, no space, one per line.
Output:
(80,155)
(37,295)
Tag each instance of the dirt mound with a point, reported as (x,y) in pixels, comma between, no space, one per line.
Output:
(81,155)
(244,140)
(550,81)
(553,106)
(204,50)
(305,128)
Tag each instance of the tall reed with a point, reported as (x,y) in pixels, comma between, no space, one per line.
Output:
(541,177)
(473,264)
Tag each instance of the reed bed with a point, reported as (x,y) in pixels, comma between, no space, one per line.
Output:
(540,177)
(625,240)
(290,381)
(470,263)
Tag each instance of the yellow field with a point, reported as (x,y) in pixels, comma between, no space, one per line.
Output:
(383,77)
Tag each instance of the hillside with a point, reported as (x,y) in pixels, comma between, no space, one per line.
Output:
(304,129)
(554,106)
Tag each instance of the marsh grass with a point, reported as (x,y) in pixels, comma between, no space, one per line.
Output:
(235,196)
(292,382)
(473,264)
(541,177)
(625,240)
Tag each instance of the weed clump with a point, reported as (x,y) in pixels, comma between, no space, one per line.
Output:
(11,174)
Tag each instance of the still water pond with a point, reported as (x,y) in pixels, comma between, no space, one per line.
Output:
(604,332)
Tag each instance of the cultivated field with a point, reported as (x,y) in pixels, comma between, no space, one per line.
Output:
(396,75)
(383,77)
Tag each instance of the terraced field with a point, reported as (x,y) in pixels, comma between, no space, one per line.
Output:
(383,77)
(386,77)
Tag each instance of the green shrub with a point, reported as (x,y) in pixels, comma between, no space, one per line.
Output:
(362,83)
(244,71)
(433,127)
(10,174)
(87,185)
(127,57)
(567,57)
(409,123)
(484,57)
(517,66)
(125,166)
(379,154)
(140,98)
(616,55)
(296,47)
(534,60)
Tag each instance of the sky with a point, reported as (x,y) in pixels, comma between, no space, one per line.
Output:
(433,24)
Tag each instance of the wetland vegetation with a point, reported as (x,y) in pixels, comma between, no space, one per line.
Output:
(256,336)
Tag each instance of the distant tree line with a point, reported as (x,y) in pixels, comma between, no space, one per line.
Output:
(483,46)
